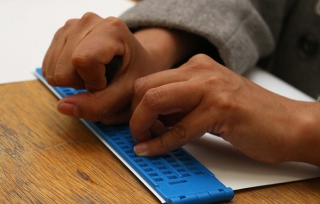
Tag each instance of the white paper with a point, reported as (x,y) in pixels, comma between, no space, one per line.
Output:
(27,28)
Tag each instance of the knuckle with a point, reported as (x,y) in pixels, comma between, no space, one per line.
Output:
(201,62)
(162,144)
(68,23)
(152,97)
(137,91)
(82,60)
(87,21)
(114,22)
(62,79)
(179,132)
(65,29)
(88,17)
(118,33)
(200,58)
(138,86)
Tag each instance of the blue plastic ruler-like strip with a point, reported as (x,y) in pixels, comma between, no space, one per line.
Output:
(175,177)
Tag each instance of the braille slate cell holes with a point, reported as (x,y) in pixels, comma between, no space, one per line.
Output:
(148,169)
(153,174)
(143,165)
(167,172)
(158,179)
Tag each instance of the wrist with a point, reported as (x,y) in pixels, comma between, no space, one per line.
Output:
(167,47)
(307,137)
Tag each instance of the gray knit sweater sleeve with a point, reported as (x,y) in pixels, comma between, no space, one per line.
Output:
(234,27)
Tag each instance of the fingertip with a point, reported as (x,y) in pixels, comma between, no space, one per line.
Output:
(67,109)
(141,149)
(149,148)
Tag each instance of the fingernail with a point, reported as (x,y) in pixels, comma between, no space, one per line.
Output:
(68,109)
(141,149)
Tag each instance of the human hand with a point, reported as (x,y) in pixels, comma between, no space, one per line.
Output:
(77,57)
(203,96)
(82,47)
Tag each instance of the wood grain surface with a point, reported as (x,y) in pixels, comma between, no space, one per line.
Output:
(46,157)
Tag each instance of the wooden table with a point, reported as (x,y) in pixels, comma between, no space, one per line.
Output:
(46,157)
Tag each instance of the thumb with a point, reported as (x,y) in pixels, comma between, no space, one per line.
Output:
(93,106)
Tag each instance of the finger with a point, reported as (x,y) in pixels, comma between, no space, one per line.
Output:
(97,50)
(189,128)
(97,105)
(163,100)
(142,85)
(49,52)
(59,73)
(54,51)
(66,73)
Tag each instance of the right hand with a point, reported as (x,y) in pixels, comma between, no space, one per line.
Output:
(204,96)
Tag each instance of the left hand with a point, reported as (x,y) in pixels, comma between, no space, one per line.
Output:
(81,48)
(203,96)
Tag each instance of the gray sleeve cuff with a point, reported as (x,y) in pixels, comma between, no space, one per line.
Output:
(235,28)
